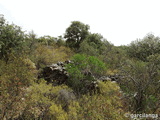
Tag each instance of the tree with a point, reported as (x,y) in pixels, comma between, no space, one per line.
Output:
(31,42)
(75,34)
(60,41)
(95,45)
(47,40)
(140,82)
(91,45)
(141,49)
(11,39)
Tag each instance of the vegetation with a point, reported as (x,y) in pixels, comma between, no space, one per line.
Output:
(75,34)
(24,96)
(83,70)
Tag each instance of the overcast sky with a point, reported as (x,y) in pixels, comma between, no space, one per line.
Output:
(119,21)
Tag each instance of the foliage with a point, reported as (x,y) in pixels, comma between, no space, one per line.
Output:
(15,76)
(47,40)
(114,56)
(62,53)
(23,96)
(104,106)
(82,69)
(60,41)
(40,102)
(140,82)
(75,34)
(87,49)
(11,38)
(31,42)
(44,55)
(141,49)
(91,45)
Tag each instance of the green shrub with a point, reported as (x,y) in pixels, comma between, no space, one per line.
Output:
(82,71)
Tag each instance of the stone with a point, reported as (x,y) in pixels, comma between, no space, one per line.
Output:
(105,78)
(55,73)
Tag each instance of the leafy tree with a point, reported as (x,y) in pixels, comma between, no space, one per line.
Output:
(106,47)
(91,45)
(75,34)
(114,56)
(141,49)
(86,48)
(31,42)
(60,41)
(47,40)
(140,82)
(12,38)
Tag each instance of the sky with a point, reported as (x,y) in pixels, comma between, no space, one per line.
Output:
(119,21)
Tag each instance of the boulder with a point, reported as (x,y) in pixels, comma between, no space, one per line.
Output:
(55,73)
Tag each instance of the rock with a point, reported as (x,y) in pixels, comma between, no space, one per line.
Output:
(105,78)
(115,77)
(55,73)
(68,61)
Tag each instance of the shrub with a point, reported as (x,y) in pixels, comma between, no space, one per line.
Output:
(141,83)
(82,71)
(15,76)
(44,55)
(104,106)
(42,102)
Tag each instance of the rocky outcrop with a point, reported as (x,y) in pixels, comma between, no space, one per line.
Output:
(55,73)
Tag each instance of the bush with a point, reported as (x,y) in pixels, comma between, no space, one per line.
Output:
(83,70)
(104,106)
(42,102)
(141,49)
(141,83)
(15,77)
(12,38)
(44,55)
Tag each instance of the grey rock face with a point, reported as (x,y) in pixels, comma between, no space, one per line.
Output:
(55,73)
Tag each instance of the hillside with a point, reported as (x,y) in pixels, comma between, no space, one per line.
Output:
(78,76)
